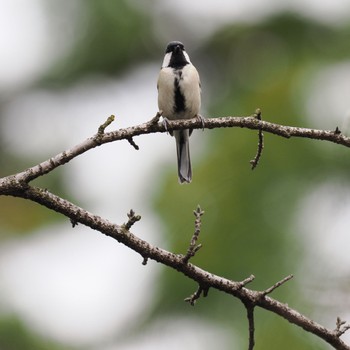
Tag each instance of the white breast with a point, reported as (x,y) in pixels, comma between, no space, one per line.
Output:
(189,86)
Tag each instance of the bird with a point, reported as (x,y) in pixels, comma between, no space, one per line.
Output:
(179,97)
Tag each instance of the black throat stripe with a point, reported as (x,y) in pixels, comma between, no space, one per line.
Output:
(179,98)
(178,60)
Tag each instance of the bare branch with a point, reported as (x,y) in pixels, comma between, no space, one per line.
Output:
(153,126)
(342,327)
(133,144)
(102,128)
(156,118)
(197,294)
(17,185)
(74,223)
(249,279)
(251,327)
(254,162)
(175,261)
(132,219)
(193,248)
(276,285)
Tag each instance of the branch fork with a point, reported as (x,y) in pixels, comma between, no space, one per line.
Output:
(197,294)
(341,328)
(133,218)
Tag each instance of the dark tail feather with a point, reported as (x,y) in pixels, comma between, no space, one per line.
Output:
(183,156)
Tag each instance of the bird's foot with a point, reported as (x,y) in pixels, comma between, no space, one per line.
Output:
(165,123)
(202,120)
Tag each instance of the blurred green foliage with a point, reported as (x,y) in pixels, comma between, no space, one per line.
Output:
(111,36)
(19,216)
(15,336)
(249,226)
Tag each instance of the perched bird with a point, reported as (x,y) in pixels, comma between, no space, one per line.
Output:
(179,97)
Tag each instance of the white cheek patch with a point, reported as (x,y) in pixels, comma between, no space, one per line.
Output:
(186,56)
(166,60)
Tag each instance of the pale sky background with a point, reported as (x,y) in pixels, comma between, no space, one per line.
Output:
(88,275)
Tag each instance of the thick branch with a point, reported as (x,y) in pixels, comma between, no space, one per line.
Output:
(202,277)
(153,126)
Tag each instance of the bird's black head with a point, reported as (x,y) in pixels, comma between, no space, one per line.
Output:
(179,57)
(175,46)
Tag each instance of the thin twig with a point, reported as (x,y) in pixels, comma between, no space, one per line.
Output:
(276,285)
(102,128)
(247,280)
(74,223)
(133,144)
(254,162)
(251,326)
(193,248)
(156,118)
(133,218)
(197,294)
(341,328)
